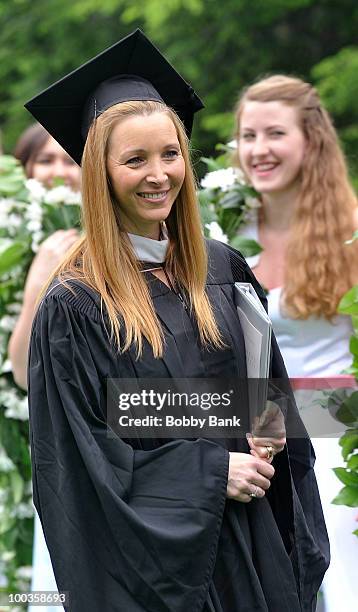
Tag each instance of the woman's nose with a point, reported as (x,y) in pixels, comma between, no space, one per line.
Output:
(59,168)
(157,173)
(260,146)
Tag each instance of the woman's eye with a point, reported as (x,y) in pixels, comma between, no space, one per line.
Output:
(277,133)
(171,154)
(134,161)
(248,136)
(44,160)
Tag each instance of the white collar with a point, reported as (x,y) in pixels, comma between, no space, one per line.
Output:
(147,249)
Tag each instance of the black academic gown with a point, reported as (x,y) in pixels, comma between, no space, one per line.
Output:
(145,525)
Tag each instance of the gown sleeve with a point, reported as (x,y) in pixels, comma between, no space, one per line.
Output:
(126,529)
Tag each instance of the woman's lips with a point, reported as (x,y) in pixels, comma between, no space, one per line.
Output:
(153,196)
(264,168)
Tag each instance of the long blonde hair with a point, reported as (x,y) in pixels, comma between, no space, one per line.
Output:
(105,260)
(318,270)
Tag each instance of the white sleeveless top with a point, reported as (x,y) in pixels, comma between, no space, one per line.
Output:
(312,347)
(318,348)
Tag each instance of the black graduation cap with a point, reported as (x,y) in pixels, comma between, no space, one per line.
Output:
(131,69)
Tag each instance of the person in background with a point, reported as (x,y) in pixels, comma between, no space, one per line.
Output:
(289,151)
(44,160)
(151,524)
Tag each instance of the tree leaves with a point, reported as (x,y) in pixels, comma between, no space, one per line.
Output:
(11,254)
(348,496)
(214,45)
(349,302)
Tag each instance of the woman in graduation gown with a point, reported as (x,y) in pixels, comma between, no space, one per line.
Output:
(155,525)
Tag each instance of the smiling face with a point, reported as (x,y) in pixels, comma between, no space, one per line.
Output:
(271,146)
(52,162)
(146,170)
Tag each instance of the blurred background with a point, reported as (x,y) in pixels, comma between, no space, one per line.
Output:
(219,46)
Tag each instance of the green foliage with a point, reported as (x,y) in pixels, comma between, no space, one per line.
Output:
(336,78)
(28,214)
(41,41)
(349,305)
(11,254)
(348,475)
(348,414)
(349,302)
(220,47)
(227,202)
(155,13)
(347,409)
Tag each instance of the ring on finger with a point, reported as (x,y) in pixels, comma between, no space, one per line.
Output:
(269,450)
(254,494)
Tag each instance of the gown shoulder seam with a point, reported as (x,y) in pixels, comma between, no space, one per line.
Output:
(76,298)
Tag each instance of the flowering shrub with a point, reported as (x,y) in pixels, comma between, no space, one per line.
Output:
(227,203)
(28,214)
(348,411)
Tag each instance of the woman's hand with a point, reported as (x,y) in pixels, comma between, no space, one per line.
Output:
(269,434)
(248,477)
(50,253)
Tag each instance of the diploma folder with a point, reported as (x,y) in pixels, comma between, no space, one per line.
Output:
(257,330)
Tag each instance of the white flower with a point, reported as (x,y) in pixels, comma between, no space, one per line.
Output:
(62,195)
(14,220)
(240,177)
(6,206)
(34,210)
(36,189)
(7,556)
(18,410)
(14,308)
(216,232)
(10,220)
(6,366)
(15,404)
(24,572)
(7,323)
(33,218)
(33,226)
(37,238)
(219,179)
(6,465)
(22,511)
(33,213)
